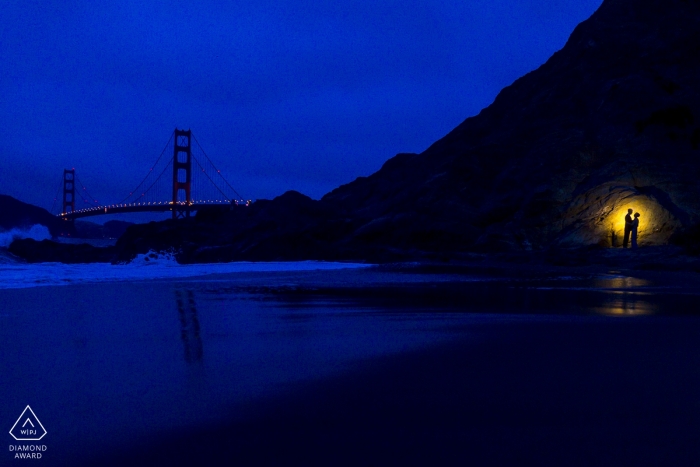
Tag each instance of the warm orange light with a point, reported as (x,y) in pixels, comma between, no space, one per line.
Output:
(616,218)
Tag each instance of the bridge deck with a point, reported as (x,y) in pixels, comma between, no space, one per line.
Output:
(125,208)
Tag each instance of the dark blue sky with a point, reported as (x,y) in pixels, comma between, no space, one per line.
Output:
(303,95)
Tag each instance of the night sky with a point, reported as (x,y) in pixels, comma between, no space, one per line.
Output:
(302,95)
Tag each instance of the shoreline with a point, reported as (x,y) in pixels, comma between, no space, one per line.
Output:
(665,257)
(414,284)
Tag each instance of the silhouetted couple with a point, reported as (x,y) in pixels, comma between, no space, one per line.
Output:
(631,227)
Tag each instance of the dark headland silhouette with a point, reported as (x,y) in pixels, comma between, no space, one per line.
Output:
(16,214)
(608,123)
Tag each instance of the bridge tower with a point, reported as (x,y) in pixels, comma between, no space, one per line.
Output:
(182,172)
(68,190)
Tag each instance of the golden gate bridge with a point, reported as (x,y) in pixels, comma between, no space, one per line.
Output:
(184,183)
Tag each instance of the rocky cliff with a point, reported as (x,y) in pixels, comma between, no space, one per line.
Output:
(607,123)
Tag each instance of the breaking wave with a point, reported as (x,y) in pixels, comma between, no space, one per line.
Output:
(37,232)
(15,275)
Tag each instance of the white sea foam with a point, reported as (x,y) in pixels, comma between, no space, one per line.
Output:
(37,232)
(143,267)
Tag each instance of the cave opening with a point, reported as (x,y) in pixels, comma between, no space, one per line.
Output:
(658,216)
(597,217)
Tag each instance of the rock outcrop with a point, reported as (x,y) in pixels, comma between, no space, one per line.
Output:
(33,251)
(289,227)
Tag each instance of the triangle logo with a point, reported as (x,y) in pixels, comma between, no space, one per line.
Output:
(28,427)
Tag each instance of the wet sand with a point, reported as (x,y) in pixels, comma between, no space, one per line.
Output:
(557,393)
(380,366)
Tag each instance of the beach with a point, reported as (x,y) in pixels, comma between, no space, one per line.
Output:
(373,365)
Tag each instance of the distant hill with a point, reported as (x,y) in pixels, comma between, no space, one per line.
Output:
(110,229)
(16,214)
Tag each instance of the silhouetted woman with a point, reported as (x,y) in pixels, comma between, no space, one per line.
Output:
(635,227)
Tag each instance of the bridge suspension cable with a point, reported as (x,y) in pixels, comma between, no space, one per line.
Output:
(135,190)
(212,181)
(217,170)
(87,193)
(55,198)
(160,176)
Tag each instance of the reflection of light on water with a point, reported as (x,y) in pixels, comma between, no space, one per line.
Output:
(610,282)
(627,304)
(623,282)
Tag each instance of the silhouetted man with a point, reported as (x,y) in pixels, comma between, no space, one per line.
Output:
(635,226)
(628,228)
